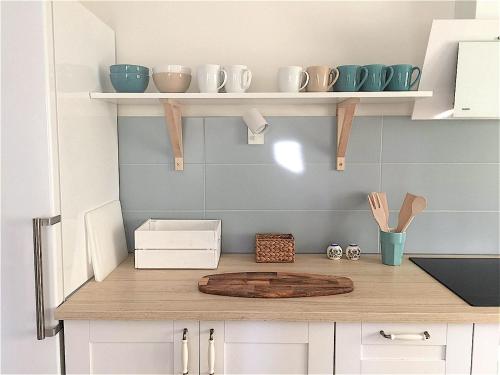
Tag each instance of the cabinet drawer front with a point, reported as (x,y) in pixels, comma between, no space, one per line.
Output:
(132,358)
(266,332)
(370,333)
(131,331)
(253,359)
(404,352)
(403,367)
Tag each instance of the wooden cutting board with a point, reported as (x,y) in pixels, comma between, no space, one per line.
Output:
(274,284)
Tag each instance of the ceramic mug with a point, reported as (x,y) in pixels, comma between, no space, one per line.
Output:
(402,77)
(238,78)
(351,77)
(321,78)
(379,76)
(290,79)
(209,78)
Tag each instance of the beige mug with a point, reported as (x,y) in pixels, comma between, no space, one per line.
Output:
(321,78)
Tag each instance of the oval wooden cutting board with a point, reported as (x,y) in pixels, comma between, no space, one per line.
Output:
(274,284)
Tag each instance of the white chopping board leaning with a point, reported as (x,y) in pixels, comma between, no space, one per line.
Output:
(106,238)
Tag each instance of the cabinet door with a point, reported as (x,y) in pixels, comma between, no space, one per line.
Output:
(126,347)
(260,347)
(486,353)
(362,349)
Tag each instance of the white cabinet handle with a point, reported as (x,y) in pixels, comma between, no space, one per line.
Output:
(185,352)
(406,336)
(211,353)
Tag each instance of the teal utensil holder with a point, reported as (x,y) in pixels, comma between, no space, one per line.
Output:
(392,247)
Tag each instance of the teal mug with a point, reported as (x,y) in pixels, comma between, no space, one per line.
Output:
(401,81)
(392,247)
(351,78)
(379,76)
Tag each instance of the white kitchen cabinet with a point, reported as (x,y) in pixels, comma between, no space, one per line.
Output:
(486,349)
(272,347)
(239,347)
(362,349)
(130,347)
(264,347)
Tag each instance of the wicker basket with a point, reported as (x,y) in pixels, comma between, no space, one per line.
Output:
(274,248)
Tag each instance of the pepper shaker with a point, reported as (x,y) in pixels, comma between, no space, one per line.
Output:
(353,251)
(334,251)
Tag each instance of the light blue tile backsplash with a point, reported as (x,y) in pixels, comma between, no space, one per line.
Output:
(290,184)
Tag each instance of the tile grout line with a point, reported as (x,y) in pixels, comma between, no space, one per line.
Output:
(307,210)
(204,171)
(380,171)
(380,153)
(313,163)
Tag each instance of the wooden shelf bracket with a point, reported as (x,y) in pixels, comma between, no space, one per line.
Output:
(173,118)
(345,114)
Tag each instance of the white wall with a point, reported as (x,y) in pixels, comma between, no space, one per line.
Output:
(25,185)
(267,35)
(477,9)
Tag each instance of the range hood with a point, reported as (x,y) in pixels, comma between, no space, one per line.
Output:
(465,83)
(477,88)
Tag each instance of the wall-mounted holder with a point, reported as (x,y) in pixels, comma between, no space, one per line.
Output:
(255,139)
(173,117)
(345,114)
(257,126)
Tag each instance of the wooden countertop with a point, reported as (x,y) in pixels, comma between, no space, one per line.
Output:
(381,294)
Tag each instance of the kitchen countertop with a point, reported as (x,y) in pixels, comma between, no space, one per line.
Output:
(381,294)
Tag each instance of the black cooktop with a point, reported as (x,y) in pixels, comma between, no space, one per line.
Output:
(475,280)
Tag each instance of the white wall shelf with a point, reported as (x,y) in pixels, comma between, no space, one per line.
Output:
(261,97)
(173,104)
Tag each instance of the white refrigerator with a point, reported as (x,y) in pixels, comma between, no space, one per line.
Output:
(59,159)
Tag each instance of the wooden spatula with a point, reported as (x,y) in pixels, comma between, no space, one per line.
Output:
(412,206)
(378,211)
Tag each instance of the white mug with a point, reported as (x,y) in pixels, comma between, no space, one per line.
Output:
(291,77)
(209,78)
(238,78)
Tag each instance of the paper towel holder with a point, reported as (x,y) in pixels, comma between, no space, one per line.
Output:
(257,126)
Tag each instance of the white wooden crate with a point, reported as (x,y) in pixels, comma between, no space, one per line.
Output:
(178,244)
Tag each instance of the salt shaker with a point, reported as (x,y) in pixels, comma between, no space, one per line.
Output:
(334,251)
(353,252)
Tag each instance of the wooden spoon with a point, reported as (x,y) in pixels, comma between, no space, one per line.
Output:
(412,206)
(417,206)
(378,211)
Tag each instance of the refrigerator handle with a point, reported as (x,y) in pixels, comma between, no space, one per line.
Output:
(41,331)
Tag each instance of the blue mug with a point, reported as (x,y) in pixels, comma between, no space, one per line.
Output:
(401,81)
(379,76)
(351,78)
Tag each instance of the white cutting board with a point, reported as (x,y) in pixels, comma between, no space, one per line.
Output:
(106,238)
